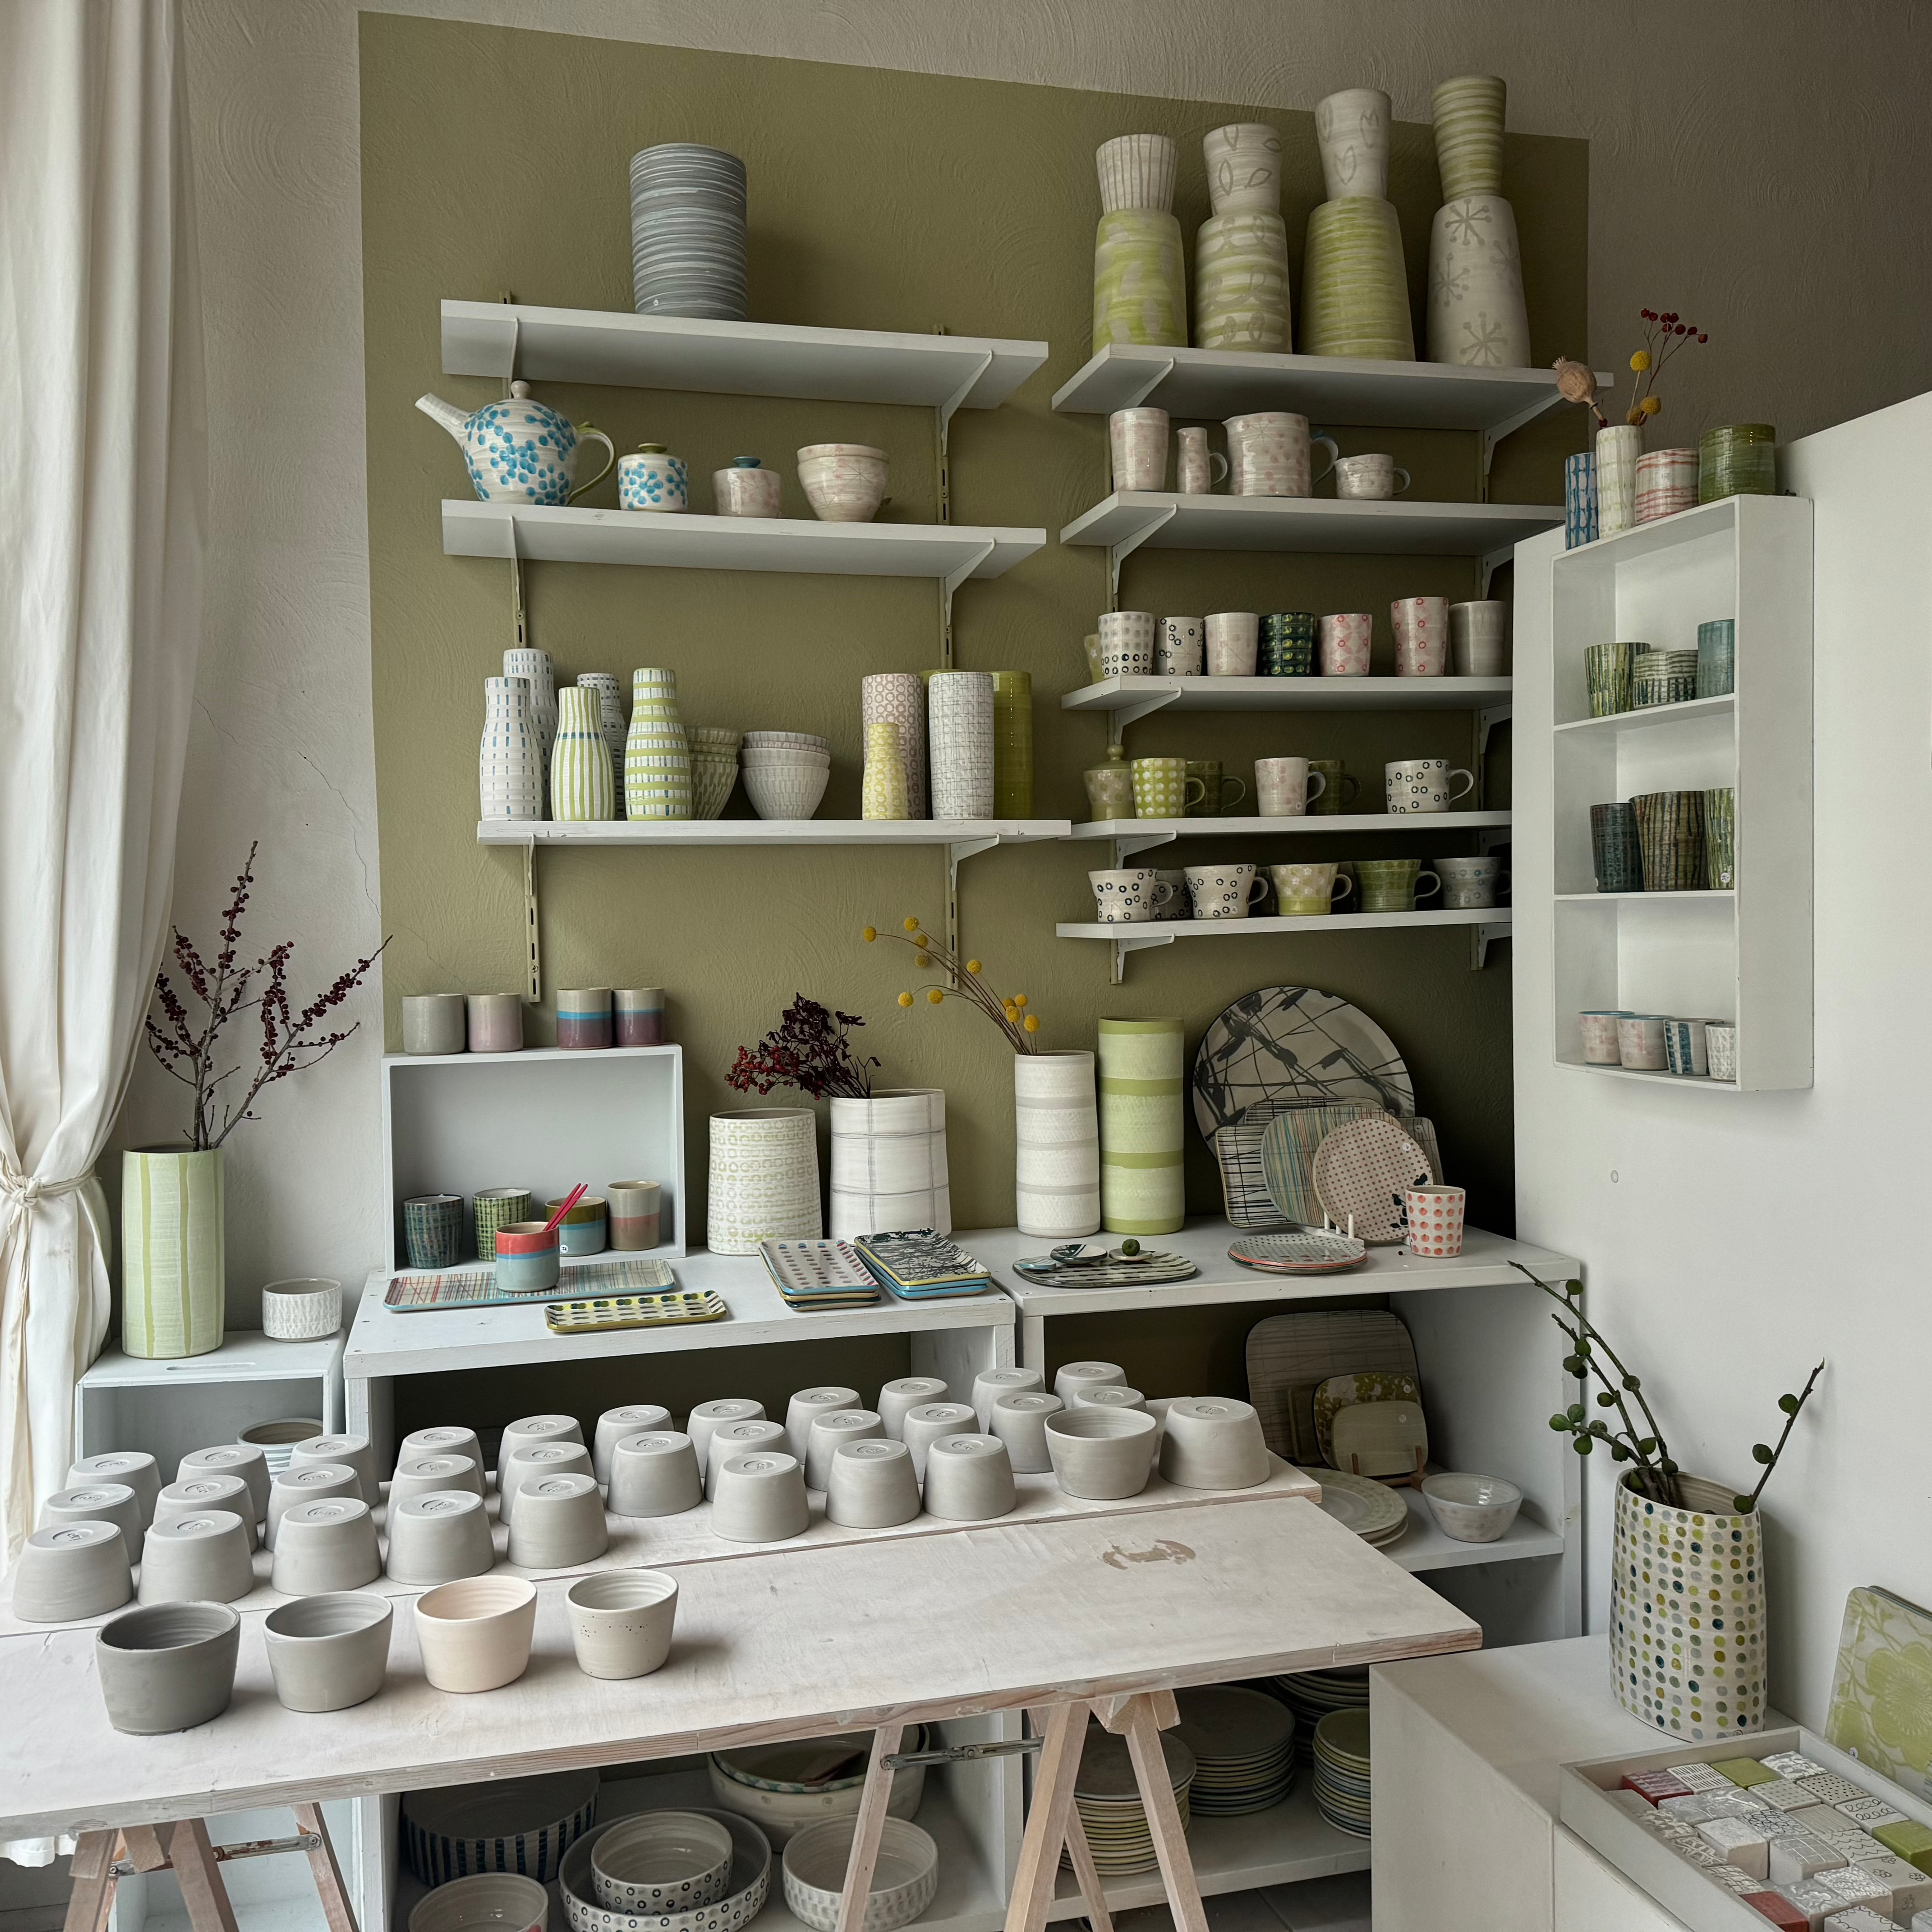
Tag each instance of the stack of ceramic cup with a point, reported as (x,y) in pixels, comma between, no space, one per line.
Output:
(688,231)
(898,697)
(714,768)
(1240,253)
(535,668)
(657,759)
(611,711)
(786,772)
(1354,293)
(1476,317)
(510,762)
(959,717)
(580,776)
(1140,289)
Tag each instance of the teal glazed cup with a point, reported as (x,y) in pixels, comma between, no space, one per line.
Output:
(1288,643)
(584,1017)
(433,1230)
(527,1257)
(585,1227)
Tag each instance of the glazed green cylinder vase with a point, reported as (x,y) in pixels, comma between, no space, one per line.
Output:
(173,1276)
(1143,1081)
(1140,280)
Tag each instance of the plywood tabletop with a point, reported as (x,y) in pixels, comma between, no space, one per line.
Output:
(791,1643)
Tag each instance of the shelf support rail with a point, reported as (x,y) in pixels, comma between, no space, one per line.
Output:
(1118,554)
(947,586)
(943,417)
(533,942)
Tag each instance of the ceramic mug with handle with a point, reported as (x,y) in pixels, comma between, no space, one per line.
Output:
(1426,784)
(1128,895)
(1470,882)
(1127,643)
(1369,479)
(1163,789)
(1215,799)
(1309,891)
(1269,454)
(1287,788)
(1224,891)
(1194,472)
(1394,885)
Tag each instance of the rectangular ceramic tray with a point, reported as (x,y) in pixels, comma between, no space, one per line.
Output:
(1651,1865)
(476,1287)
(594,1315)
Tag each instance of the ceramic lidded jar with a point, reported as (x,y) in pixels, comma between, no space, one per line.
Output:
(519,450)
(651,478)
(1110,787)
(747,489)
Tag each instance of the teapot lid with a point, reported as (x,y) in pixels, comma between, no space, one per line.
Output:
(520,391)
(746,463)
(1117,755)
(653,449)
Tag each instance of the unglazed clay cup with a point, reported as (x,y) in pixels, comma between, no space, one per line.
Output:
(439,1538)
(656,1475)
(71,1571)
(807,1403)
(621,1620)
(1019,1421)
(871,1484)
(488,1901)
(352,1452)
(1102,1454)
(134,1467)
(320,1482)
(276,1440)
(1212,1442)
(533,1463)
(447,1439)
(759,1498)
(990,1382)
(208,1492)
(706,1416)
(96,1502)
(199,1559)
(475,1635)
(909,1392)
(1071,1376)
(740,1438)
(425,1475)
(532,1429)
(245,1459)
(1115,1397)
(326,1545)
(924,1425)
(495,1022)
(660,1863)
(435,1023)
(844,482)
(641,1418)
(167,1667)
(968,1479)
(560,1523)
(828,1431)
(326,1653)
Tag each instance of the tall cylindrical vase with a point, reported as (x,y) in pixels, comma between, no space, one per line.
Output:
(657,756)
(509,759)
(1057,1146)
(1240,282)
(898,697)
(883,792)
(173,1271)
(960,733)
(889,1169)
(1617,448)
(1142,1080)
(1355,289)
(1689,1646)
(764,1179)
(1140,287)
(535,666)
(581,781)
(611,711)
(1477,317)
(1012,744)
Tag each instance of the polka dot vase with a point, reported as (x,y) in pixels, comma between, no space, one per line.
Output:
(1688,1649)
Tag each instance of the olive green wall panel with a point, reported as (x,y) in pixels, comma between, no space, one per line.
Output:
(494,164)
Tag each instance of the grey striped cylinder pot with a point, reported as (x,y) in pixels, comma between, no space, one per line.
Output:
(1057,1146)
(1614,852)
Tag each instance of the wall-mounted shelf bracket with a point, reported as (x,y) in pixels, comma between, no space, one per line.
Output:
(1118,554)
(947,585)
(943,417)
(1481,939)
(1139,942)
(1117,722)
(1132,842)
(1491,563)
(1486,721)
(959,849)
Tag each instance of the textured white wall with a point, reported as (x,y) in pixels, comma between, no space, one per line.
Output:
(1748,161)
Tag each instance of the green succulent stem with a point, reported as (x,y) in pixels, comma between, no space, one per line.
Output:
(1791,1415)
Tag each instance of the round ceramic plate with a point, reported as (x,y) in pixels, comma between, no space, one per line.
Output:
(1370,1509)
(1303,1251)
(1363,1174)
(1226,1726)
(1287,1043)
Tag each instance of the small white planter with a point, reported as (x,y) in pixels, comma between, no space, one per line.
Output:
(889,1163)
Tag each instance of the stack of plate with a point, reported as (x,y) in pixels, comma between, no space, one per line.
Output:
(1244,1746)
(1312,1694)
(1300,1251)
(1341,1771)
(818,1274)
(1374,1511)
(1109,1801)
(688,231)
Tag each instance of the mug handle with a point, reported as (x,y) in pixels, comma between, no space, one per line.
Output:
(1318,783)
(1460,773)
(1502,883)
(1350,786)
(1161,891)
(1435,884)
(1344,885)
(1199,795)
(1262,887)
(1402,488)
(1241,790)
(1214,456)
(585,431)
(1334,456)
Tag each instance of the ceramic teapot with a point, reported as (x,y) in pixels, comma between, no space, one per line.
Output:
(520,451)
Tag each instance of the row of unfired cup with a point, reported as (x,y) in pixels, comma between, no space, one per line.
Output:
(1433,638)
(1133,895)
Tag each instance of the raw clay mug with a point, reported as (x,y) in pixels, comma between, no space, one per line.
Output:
(1269,452)
(1425,785)
(1286,787)
(1194,463)
(1369,479)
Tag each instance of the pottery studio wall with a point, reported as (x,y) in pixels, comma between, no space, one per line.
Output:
(1699,197)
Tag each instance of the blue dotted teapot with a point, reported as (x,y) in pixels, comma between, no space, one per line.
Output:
(520,451)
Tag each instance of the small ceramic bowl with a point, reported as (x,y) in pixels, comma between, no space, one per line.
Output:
(743,1901)
(1072,1375)
(641,1418)
(1471,1508)
(871,1485)
(968,1479)
(96,1502)
(485,1902)
(199,1559)
(760,1782)
(655,1475)
(759,1498)
(829,1431)
(990,1382)
(529,1430)
(134,1467)
(533,1463)
(439,1538)
(1102,1454)
(276,1441)
(1019,1420)
(805,1404)
(326,1653)
(844,482)
(325,1546)
(522,1824)
(204,1493)
(908,1392)
(621,1621)
(740,1438)
(1212,1442)
(319,1482)
(167,1667)
(904,1882)
(301,1311)
(1107,1395)
(475,1635)
(444,1439)
(660,1861)
(560,1523)
(245,1459)
(425,1475)
(352,1452)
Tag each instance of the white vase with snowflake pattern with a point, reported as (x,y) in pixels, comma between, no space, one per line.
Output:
(1477,318)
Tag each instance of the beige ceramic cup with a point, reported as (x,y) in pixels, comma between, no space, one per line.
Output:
(1283,787)
(475,1635)
(621,1621)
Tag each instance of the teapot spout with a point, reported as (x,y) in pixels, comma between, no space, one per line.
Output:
(456,421)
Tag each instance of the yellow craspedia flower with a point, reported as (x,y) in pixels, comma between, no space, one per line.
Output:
(934,995)
(972,965)
(905,999)
(922,959)
(1031,1023)
(1640,362)
(871,933)
(1019,999)
(910,925)
(1651,404)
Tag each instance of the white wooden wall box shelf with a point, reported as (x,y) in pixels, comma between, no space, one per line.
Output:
(741,358)
(949,554)
(1128,700)
(1743,954)
(964,836)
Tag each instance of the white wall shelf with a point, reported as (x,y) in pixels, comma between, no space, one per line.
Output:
(1127,701)
(1641,1073)
(742,358)
(1653,717)
(964,836)
(950,554)
(1140,835)
(1646,898)
(1487,924)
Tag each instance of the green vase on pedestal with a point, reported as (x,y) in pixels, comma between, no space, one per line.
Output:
(172,1273)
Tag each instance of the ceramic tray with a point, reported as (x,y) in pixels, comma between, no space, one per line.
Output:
(1290,1356)
(1300,1251)
(1881,1689)
(1108,1268)
(1374,1512)
(476,1288)
(918,1264)
(593,1315)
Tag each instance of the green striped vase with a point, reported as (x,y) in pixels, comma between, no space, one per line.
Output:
(1355,290)
(581,786)
(173,1275)
(1469,134)
(1142,1079)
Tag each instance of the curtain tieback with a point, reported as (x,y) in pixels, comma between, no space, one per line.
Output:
(23,1196)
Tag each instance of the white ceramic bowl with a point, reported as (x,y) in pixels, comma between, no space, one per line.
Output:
(844,482)
(1102,1454)
(301,1311)
(903,1883)
(1469,1507)
(809,740)
(475,1635)
(661,1861)
(750,1782)
(790,793)
(743,1901)
(485,1902)
(515,1824)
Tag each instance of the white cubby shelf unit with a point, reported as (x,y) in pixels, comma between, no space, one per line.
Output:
(545,1119)
(1743,954)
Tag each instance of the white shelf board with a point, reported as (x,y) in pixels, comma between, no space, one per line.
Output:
(1641,1073)
(1641,540)
(1220,382)
(714,832)
(741,358)
(1158,932)
(946,552)
(245,1356)
(1643,897)
(1136,519)
(1146,694)
(1425,1548)
(1228,825)
(1650,716)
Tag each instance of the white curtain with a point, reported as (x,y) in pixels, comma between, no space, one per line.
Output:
(103,502)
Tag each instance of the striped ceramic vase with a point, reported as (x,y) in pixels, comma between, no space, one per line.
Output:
(657,756)
(1354,289)
(1057,1146)
(581,786)
(1142,1081)
(173,1271)
(610,710)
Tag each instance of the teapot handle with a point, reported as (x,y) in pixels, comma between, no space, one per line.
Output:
(585,432)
